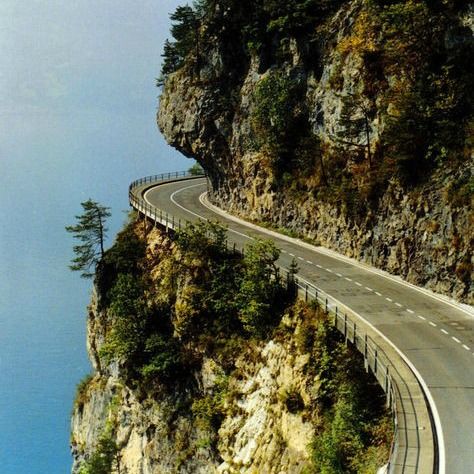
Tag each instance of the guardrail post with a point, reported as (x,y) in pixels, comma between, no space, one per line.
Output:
(326,305)
(366,360)
(375,362)
(306,293)
(355,334)
(345,327)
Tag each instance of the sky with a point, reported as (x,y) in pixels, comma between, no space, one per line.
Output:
(77,120)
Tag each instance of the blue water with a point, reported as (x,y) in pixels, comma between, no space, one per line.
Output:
(77,120)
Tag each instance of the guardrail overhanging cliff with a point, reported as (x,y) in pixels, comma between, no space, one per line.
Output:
(414,446)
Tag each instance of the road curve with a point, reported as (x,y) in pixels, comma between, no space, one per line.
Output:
(434,334)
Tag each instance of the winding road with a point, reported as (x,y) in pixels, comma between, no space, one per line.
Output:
(436,335)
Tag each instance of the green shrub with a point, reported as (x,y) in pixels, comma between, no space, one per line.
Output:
(82,390)
(163,358)
(260,288)
(130,313)
(196,170)
(105,457)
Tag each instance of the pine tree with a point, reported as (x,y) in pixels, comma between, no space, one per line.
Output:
(91,232)
(355,118)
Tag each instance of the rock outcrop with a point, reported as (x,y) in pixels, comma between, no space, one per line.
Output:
(416,228)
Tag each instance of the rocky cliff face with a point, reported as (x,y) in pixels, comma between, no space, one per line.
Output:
(239,404)
(258,433)
(394,192)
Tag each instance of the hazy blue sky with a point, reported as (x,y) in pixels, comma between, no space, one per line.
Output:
(77,120)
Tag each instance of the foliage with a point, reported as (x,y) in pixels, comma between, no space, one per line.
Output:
(351,405)
(196,170)
(130,312)
(163,358)
(105,457)
(356,116)
(259,287)
(297,16)
(205,239)
(185,33)
(279,121)
(210,409)
(82,391)
(126,253)
(91,231)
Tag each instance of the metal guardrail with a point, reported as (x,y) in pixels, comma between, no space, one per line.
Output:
(406,440)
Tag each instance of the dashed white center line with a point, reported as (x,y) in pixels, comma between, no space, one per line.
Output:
(432,324)
(309,261)
(348,279)
(455,339)
(444,331)
(301,258)
(358,284)
(283,251)
(398,304)
(319,266)
(339,275)
(368,289)
(378,294)
(410,310)
(292,254)
(422,317)
(389,299)
(466,347)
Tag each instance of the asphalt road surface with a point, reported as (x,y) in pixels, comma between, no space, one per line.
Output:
(436,335)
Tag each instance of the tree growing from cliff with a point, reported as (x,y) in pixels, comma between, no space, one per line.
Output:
(355,118)
(91,232)
(185,32)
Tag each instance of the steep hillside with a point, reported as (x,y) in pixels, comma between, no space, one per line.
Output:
(349,123)
(203,363)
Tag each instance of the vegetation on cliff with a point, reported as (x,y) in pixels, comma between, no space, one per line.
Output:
(414,57)
(171,306)
(345,108)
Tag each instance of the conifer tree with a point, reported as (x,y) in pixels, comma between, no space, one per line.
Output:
(355,118)
(91,232)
